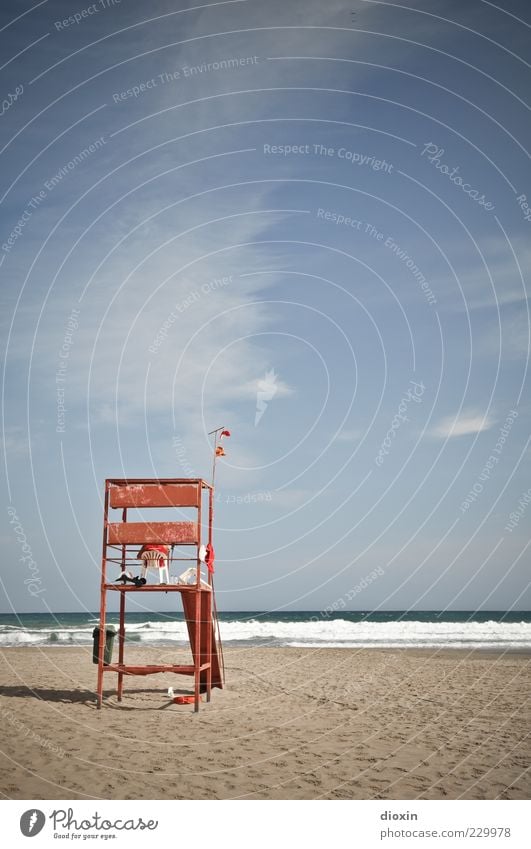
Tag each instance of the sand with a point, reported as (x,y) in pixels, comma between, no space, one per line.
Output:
(291,724)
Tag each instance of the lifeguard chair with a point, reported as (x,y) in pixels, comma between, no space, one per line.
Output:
(155,557)
(122,542)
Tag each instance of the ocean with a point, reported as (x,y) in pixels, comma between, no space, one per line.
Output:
(497,630)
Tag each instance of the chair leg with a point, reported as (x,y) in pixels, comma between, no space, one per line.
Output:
(144,570)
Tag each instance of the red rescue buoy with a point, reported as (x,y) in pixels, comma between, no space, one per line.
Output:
(185,700)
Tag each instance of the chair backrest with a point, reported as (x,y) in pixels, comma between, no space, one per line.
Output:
(154,558)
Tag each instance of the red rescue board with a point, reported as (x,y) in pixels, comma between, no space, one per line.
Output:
(189,612)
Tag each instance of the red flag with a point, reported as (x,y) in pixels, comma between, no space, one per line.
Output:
(209,558)
(224,433)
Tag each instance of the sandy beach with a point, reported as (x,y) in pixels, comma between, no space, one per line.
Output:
(291,724)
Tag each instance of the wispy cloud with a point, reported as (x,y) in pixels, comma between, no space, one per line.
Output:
(16,442)
(463,424)
(492,280)
(352,435)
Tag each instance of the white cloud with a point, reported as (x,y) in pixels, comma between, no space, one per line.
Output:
(464,424)
(352,435)
(16,442)
(489,281)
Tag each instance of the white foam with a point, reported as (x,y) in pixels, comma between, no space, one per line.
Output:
(339,633)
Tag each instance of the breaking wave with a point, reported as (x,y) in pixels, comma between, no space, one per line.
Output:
(312,633)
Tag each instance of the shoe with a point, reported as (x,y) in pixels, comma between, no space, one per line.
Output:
(139,582)
(124,577)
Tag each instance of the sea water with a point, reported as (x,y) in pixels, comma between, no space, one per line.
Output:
(496,630)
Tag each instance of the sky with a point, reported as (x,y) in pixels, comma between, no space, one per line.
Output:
(306,222)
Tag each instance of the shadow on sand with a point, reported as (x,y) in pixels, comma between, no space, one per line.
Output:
(88,697)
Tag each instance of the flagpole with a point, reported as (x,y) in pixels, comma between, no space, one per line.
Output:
(215,432)
(223,432)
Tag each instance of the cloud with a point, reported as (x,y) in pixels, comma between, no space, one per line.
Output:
(16,442)
(491,280)
(352,435)
(463,424)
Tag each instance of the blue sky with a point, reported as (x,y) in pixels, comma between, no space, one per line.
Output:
(306,222)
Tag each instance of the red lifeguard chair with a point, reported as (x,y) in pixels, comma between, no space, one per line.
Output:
(122,540)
